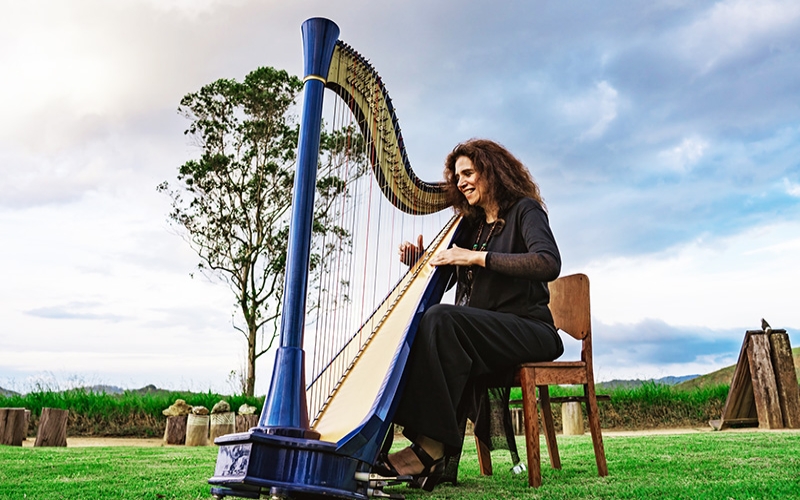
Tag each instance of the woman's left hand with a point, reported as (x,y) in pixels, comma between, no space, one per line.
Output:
(457,256)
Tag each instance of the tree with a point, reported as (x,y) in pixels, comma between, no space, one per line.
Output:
(232,204)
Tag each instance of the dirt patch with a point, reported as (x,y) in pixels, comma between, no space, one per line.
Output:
(78,442)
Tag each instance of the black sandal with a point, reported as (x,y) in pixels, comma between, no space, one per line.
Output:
(431,474)
(427,479)
(383,467)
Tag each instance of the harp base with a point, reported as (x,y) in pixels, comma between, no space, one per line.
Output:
(254,464)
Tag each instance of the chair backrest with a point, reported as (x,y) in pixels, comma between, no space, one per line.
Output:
(569,303)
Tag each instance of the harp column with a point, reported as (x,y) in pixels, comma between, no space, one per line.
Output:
(285,411)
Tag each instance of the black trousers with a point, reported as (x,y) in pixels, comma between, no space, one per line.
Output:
(454,348)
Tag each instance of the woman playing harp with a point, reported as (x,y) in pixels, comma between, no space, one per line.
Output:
(503,258)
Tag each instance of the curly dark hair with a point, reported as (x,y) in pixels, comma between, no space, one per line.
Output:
(505,177)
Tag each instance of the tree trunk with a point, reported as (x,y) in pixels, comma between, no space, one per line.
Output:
(175,433)
(250,384)
(52,428)
(12,426)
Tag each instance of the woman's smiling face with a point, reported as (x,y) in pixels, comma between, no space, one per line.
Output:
(469,182)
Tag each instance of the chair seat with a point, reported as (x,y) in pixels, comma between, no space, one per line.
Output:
(555,364)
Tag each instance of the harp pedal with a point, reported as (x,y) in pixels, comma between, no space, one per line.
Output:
(376,483)
(379,493)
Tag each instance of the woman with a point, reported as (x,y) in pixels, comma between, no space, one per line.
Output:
(504,255)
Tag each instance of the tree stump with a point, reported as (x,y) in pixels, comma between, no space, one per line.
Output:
(197,430)
(12,426)
(222,424)
(246,422)
(175,432)
(572,418)
(52,428)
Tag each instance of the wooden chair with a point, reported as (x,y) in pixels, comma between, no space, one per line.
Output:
(569,303)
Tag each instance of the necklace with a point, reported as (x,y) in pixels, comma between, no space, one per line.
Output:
(488,237)
(466,292)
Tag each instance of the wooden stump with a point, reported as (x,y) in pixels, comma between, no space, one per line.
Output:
(175,432)
(52,428)
(572,418)
(517,421)
(12,426)
(222,424)
(246,422)
(197,430)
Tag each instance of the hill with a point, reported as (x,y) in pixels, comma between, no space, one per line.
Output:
(725,375)
(630,384)
(8,392)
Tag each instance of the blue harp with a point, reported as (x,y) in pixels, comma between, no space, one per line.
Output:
(330,454)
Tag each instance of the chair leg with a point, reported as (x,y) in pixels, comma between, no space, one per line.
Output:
(549,428)
(484,458)
(529,408)
(593,414)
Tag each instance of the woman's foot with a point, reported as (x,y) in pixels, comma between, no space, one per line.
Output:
(423,460)
(417,458)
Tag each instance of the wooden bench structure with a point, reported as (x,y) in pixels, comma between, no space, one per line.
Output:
(764,389)
(569,303)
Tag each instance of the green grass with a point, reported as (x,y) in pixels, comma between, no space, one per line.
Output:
(722,465)
(123,472)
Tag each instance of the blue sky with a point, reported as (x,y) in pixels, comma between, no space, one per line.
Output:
(665,136)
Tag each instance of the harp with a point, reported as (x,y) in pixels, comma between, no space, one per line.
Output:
(330,454)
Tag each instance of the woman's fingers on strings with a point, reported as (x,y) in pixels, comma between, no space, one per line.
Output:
(409,252)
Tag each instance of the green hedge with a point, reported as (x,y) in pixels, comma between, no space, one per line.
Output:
(138,413)
(132,413)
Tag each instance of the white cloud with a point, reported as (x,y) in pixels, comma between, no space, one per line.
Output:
(593,111)
(792,188)
(736,28)
(684,156)
(719,283)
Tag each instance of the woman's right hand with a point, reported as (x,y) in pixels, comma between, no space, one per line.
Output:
(409,253)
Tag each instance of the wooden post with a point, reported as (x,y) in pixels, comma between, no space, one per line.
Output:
(52,428)
(246,422)
(197,430)
(175,432)
(12,426)
(222,424)
(517,421)
(765,390)
(572,418)
(786,379)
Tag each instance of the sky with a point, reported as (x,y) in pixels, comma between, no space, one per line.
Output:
(665,136)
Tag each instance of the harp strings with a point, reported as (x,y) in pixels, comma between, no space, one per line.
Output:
(359,263)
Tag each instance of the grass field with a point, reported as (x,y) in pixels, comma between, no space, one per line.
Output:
(721,465)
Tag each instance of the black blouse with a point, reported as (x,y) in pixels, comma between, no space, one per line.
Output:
(522,257)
